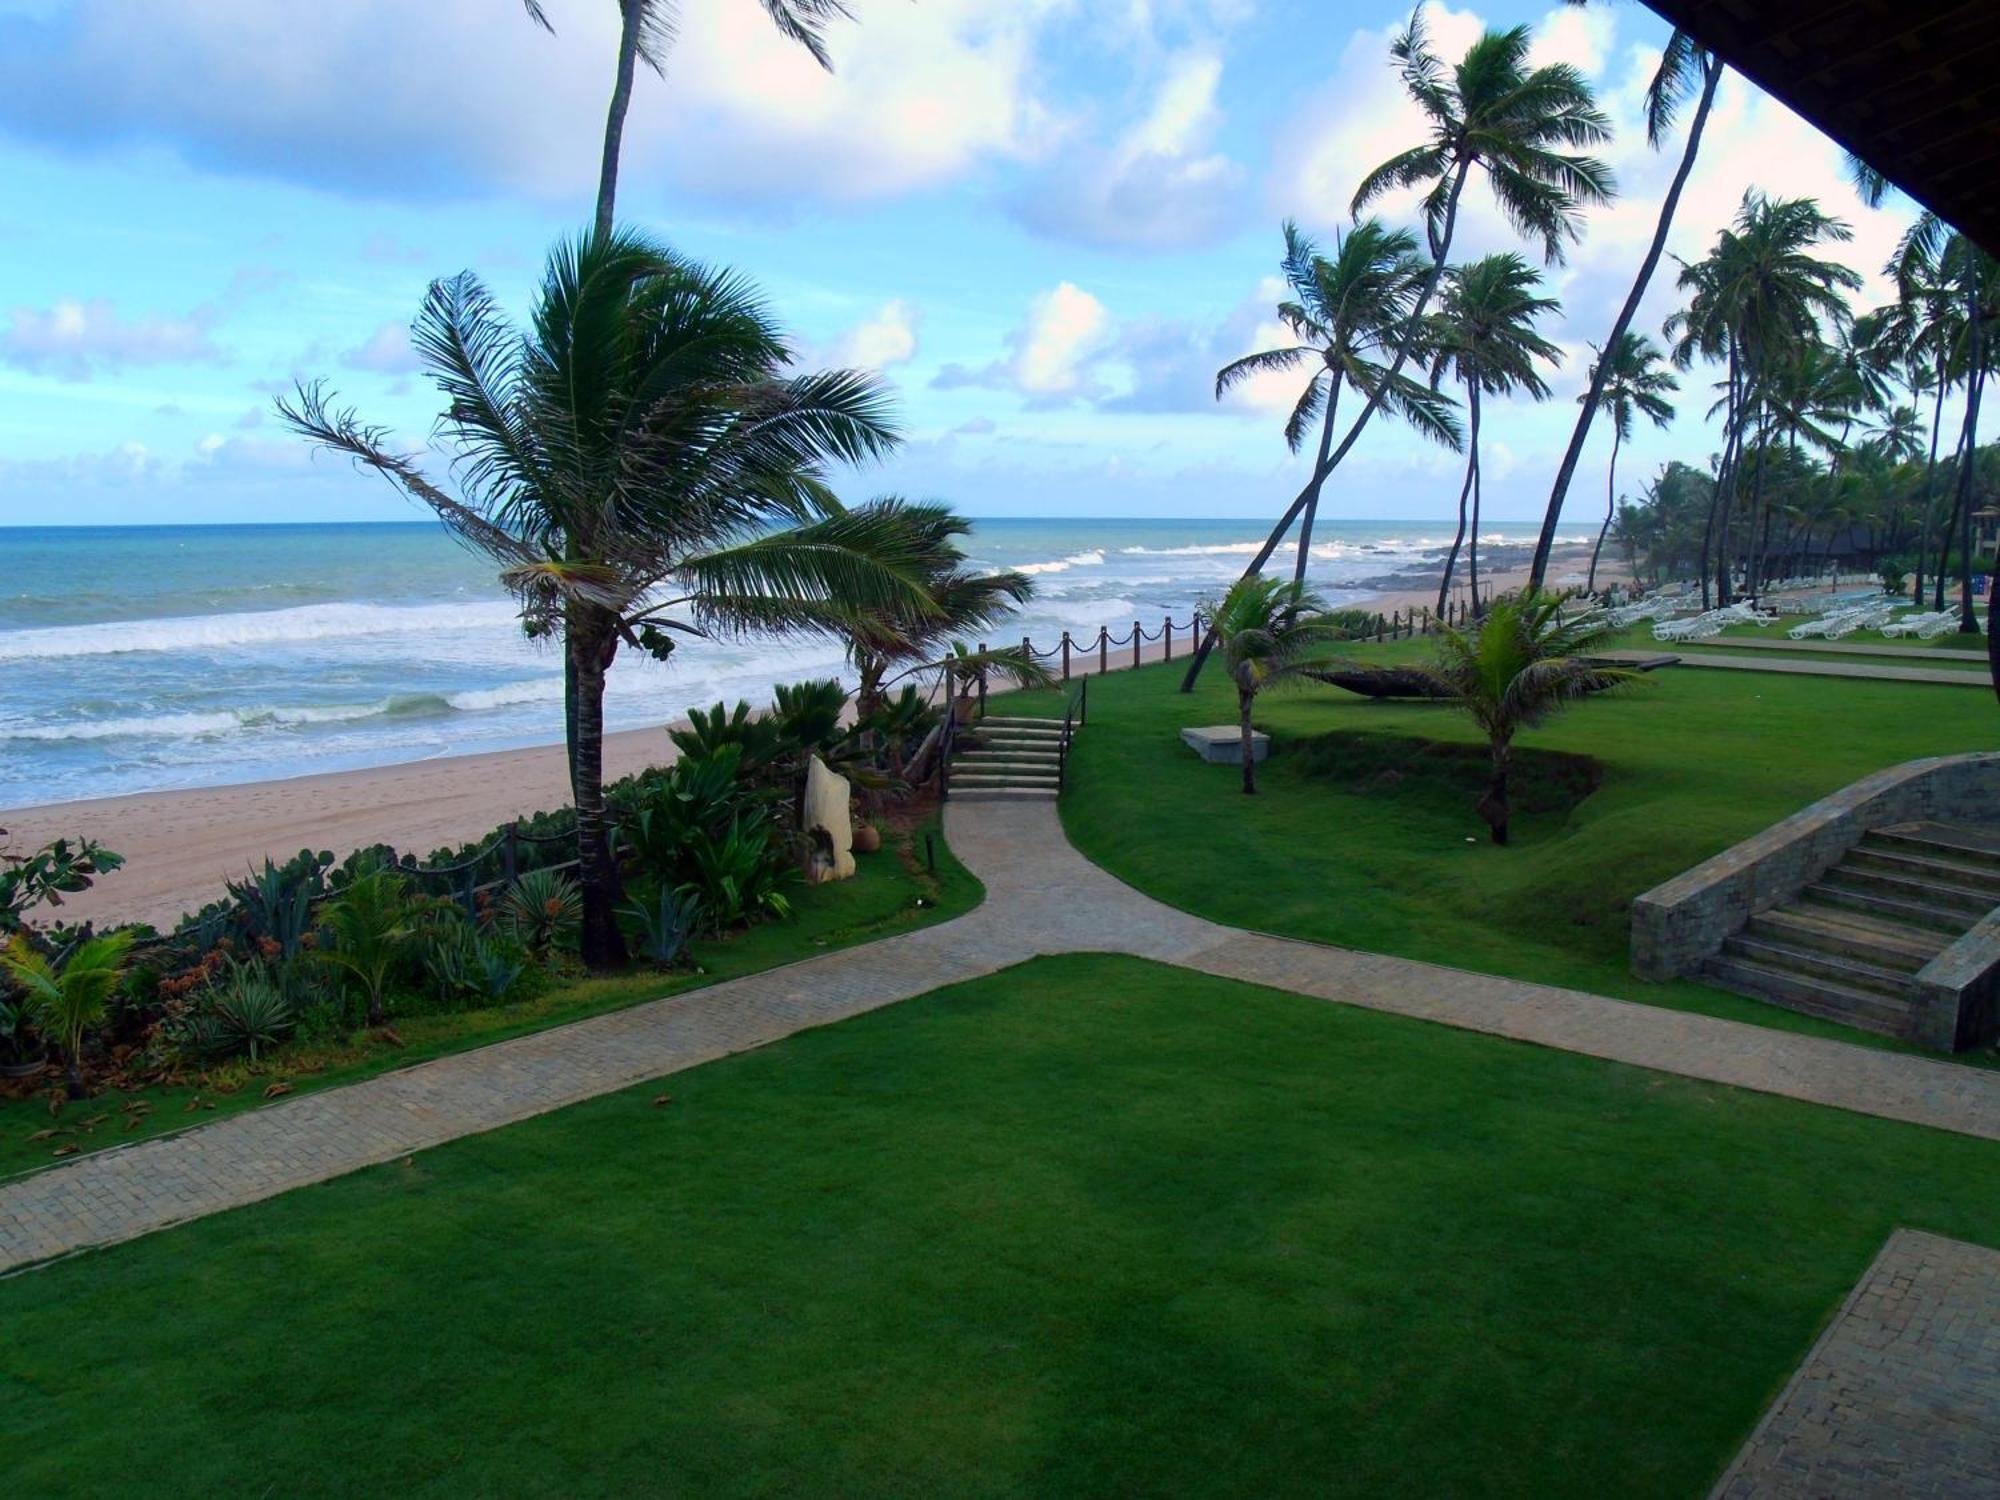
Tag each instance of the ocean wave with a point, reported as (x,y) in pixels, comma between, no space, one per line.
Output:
(311,622)
(1091,559)
(289,716)
(1204,549)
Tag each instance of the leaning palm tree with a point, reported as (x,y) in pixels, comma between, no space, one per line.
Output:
(1484,337)
(644,470)
(1526,129)
(67,997)
(1344,311)
(1524,659)
(1685,69)
(1630,380)
(1271,632)
(646,32)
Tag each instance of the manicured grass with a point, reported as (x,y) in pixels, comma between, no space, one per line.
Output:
(1090,1226)
(880,901)
(1397,860)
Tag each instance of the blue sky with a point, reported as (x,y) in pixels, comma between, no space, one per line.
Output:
(1046,222)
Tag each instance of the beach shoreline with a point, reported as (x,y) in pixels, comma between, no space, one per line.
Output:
(181,845)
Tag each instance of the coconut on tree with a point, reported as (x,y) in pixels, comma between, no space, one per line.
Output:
(645,467)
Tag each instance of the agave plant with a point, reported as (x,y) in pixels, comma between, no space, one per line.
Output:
(249,1013)
(664,924)
(542,910)
(68,996)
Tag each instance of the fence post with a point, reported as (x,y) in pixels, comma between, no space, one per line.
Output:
(1104,648)
(465,891)
(1167,635)
(1065,652)
(510,852)
(1138,642)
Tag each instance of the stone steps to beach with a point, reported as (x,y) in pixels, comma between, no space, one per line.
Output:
(1008,759)
(1850,946)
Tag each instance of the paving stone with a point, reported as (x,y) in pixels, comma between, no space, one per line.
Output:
(1901,1394)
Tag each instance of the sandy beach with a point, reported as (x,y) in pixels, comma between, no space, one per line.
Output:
(181,846)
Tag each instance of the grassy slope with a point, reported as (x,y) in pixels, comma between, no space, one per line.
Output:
(1398,863)
(879,902)
(1088,1227)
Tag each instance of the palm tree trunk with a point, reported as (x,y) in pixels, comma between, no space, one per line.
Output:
(1243,702)
(614,120)
(1319,479)
(1723,475)
(1610,507)
(1947,532)
(603,945)
(1496,807)
(1472,544)
(1458,541)
(1711,76)
(1753,556)
(1924,518)
(1405,345)
(1968,622)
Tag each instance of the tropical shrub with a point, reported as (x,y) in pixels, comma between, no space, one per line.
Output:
(542,912)
(368,924)
(247,1014)
(739,871)
(45,876)
(662,926)
(67,996)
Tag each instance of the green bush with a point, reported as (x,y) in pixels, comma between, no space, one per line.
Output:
(542,912)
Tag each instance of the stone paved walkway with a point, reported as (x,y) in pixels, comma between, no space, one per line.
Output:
(1900,1396)
(1797,667)
(1042,898)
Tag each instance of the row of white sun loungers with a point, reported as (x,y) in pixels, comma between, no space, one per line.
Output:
(1709,623)
(1925,627)
(1873,614)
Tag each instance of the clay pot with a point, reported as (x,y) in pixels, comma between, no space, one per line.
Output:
(867,838)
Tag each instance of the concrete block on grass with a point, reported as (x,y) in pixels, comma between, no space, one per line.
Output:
(1222,744)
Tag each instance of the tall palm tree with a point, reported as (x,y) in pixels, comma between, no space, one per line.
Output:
(646,32)
(1685,69)
(1526,128)
(1630,380)
(1271,632)
(1757,297)
(1484,337)
(1344,312)
(1525,659)
(643,470)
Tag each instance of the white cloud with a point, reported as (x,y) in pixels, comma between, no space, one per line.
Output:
(386,351)
(1065,327)
(887,339)
(75,340)
(1159,185)
(355,95)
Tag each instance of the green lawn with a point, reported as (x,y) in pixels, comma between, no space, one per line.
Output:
(880,901)
(1088,1227)
(1363,837)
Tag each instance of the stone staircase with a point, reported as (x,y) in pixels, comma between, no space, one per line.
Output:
(1001,759)
(1849,945)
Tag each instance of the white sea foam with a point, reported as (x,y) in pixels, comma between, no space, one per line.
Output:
(154,726)
(1091,559)
(275,627)
(535,690)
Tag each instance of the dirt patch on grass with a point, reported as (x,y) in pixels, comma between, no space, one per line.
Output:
(1381,765)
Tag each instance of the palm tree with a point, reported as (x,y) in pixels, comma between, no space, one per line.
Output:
(1630,380)
(956,602)
(1511,669)
(1685,68)
(1755,299)
(1526,129)
(643,469)
(1484,337)
(68,997)
(368,923)
(646,31)
(1345,312)
(1271,632)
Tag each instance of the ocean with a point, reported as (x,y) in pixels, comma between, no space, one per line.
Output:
(141,658)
